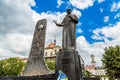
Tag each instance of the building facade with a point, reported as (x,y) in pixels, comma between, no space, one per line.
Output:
(51,50)
(97,71)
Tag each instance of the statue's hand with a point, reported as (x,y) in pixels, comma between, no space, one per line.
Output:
(55,21)
(57,24)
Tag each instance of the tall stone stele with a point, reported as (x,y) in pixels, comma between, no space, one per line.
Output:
(36,64)
(68,59)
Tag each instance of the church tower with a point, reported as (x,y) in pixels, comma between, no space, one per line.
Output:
(93,62)
(55,40)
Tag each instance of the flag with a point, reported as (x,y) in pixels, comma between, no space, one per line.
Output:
(61,76)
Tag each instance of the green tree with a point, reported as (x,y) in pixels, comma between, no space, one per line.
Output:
(50,64)
(111,60)
(87,73)
(1,67)
(11,66)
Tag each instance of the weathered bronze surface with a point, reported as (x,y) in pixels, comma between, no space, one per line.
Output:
(36,65)
(69,30)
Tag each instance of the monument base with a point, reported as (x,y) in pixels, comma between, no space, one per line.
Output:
(68,61)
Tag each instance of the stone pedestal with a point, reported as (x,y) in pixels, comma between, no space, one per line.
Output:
(69,62)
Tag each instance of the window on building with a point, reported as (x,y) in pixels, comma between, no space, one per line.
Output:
(55,51)
(45,53)
(51,54)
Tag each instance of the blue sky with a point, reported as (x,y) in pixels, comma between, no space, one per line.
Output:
(91,19)
(99,25)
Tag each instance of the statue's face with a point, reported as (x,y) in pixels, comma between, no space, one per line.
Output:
(69,12)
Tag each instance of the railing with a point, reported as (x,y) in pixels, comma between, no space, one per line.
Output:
(91,78)
(42,77)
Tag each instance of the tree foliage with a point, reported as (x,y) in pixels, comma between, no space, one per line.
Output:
(111,60)
(11,66)
(50,64)
(87,73)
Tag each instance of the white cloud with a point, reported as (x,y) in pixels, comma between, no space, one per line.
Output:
(79,30)
(16,17)
(60,2)
(101,10)
(82,4)
(100,1)
(19,43)
(16,28)
(77,13)
(85,50)
(115,6)
(107,32)
(97,48)
(82,41)
(106,19)
(117,16)
(15,45)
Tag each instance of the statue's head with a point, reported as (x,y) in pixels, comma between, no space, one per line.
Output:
(68,11)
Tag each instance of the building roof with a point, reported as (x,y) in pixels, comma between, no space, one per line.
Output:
(97,68)
(50,46)
(89,67)
(57,46)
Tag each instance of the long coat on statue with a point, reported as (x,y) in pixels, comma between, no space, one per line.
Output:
(69,31)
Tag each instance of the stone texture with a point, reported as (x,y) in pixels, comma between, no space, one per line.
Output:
(69,63)
(36,64)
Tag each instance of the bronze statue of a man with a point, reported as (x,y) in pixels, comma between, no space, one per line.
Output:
(69,30)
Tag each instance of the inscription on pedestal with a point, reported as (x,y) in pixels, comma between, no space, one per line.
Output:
(66,60)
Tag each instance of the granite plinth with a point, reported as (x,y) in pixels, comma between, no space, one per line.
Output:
(69,62)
